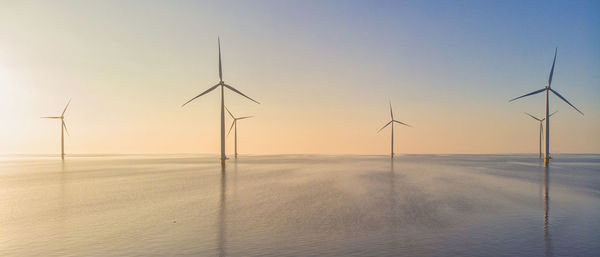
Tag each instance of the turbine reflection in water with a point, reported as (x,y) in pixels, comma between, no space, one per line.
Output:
(393,216)
(222,213)
(547,238)
(63,207)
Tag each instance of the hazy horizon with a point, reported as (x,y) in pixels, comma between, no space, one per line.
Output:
(230,155)
(323,72)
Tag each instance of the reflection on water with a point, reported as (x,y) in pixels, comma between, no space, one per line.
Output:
(62,230)
(222,213)
(392,206)
(299,205)
(547,239)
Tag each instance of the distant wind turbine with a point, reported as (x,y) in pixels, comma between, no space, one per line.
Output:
(541,130)
(548,89)
(222,85)
(234,124)
(63,129)
(392,121)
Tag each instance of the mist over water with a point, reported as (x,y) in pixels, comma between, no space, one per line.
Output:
(284,205)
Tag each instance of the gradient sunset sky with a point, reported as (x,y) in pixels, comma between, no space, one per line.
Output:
(324,72)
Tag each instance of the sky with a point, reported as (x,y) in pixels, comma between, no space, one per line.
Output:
(324,72)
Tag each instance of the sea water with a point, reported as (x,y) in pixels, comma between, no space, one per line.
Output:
(299,205)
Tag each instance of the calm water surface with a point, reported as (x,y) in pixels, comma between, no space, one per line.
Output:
(185,205)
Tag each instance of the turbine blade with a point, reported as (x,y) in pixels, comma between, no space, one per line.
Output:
(233,123)
(552,113)
(220,69)
(391,112)
(561,97)
(552,69)
(50,117)
(241,118)
(65,126)
(235,90)
(532,93)
(533,117)
(402,123)
(229,113)
(203,93)
(384,126)
(63,113)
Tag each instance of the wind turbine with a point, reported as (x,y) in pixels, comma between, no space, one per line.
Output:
(392,121)
(222,85)
(63,129)
(548,89)
(541,130)
(234,124)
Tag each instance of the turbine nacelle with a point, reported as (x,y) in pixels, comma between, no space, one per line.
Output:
(235,119)
(538,119)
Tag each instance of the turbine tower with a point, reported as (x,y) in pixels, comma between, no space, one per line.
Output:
(63,129)
(222,85)
(234,124)
(541,130)
(548,89)
(392,121)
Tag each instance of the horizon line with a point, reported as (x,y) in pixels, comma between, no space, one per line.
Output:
(282,154)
